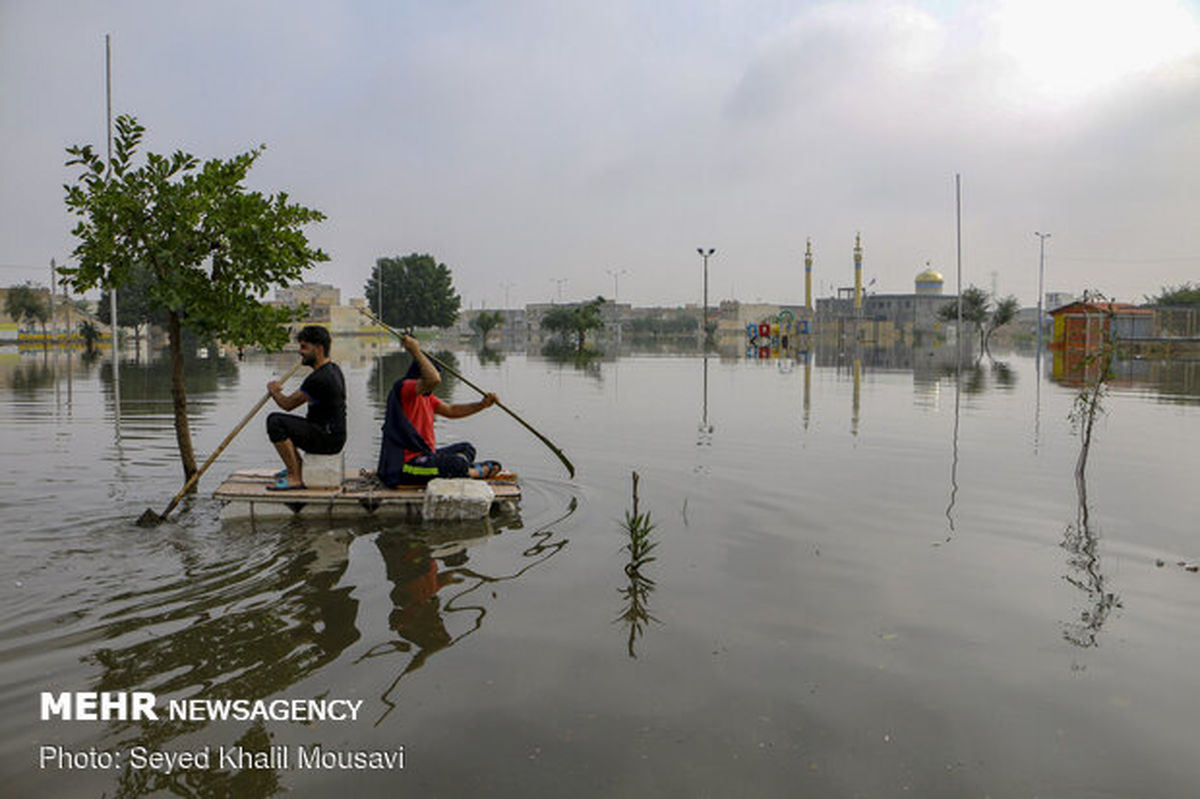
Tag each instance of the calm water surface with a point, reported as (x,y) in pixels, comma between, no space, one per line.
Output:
(871,580)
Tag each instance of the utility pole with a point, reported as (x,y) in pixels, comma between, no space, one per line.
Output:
(560,281)
(704,319)
(615,274)
(53,277)
(958,259)
(1041,293)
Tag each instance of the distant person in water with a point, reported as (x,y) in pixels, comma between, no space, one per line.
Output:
(323,430)
(408,454)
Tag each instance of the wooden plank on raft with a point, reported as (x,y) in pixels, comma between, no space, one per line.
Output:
(245,494)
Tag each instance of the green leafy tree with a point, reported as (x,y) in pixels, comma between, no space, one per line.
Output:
(1185,294)
(90,333)
(417,292)
(1003,312)
(135,303)
(575,320)
(24,305)
(211,246)
(485,323)
(978,310)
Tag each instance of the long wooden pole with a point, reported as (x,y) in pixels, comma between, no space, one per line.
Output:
(550,444)
(150,518)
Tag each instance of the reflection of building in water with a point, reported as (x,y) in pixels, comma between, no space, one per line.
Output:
(1170,380)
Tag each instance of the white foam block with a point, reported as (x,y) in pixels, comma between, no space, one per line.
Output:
(459,498)
(324,471)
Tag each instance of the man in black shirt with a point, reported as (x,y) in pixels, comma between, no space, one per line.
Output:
(323,431)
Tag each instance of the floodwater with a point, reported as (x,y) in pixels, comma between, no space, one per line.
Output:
(869,579)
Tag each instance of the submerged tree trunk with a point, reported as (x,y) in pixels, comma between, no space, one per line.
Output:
(183,435)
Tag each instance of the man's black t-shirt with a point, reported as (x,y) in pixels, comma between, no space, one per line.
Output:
(326,392)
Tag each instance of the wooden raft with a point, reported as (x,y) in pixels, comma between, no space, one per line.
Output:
(244,495)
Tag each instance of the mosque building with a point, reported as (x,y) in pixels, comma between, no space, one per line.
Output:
(885,318)
(854,314)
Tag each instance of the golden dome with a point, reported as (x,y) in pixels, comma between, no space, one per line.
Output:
(930,275)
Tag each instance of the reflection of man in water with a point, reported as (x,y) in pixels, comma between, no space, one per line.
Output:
(408,453)
(415,615)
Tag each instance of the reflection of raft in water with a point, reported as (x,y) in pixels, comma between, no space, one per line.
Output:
(244,495)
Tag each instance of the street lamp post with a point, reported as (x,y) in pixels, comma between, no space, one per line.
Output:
(704,320)
(1041,293)
(615,274)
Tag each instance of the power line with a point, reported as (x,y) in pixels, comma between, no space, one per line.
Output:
(1128,260)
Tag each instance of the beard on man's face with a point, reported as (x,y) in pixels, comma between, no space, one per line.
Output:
(308,358)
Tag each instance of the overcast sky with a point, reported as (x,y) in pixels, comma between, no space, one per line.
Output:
(529,142)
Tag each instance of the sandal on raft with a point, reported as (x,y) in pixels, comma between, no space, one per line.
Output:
(282,484)
(487,469)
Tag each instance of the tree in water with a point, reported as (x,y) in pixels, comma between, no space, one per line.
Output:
(135,304)
(417,292)
(24,305)
(575,320)
(210,246)
(485,323)
(979,310)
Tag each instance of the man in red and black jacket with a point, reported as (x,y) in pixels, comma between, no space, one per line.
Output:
(408,454)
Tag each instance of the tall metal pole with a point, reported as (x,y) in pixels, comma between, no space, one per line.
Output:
(1041,293)
(559,281)
(615,274)
(53,278)
(958,237)
(704,319)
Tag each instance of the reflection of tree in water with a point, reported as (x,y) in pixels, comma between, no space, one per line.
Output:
(390,367)
(1083,545)
(146,386)
(975,376)
(635,614)
(587,361)
(238,637)
(490,357)
(1004,375)
(30,375)
(420,569)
